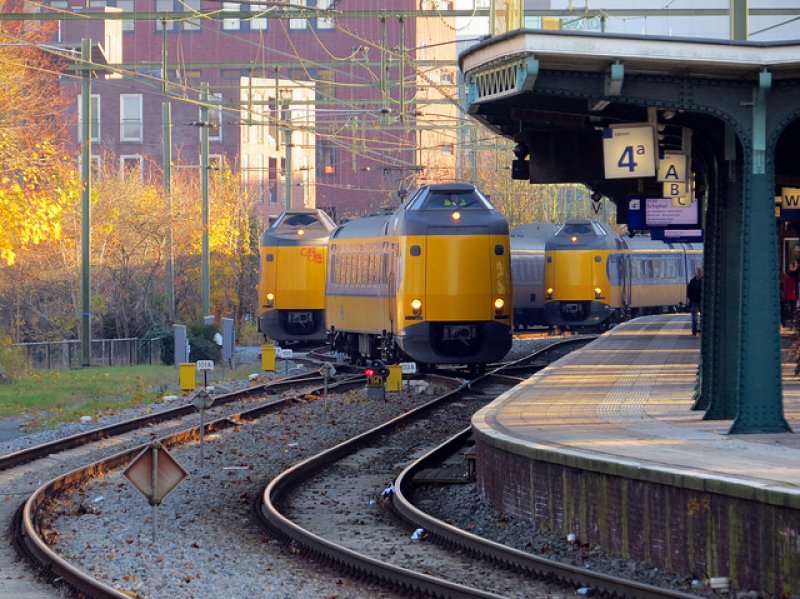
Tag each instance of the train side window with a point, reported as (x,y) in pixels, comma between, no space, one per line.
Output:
(549,259)
(415,250)
(270,257)
(598,259)
(499,250)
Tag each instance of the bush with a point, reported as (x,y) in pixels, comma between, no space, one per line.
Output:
(201,342)
(13,361)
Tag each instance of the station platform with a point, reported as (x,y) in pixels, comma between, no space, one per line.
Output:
(612,423)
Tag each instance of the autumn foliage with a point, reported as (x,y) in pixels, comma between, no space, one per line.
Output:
(38,180)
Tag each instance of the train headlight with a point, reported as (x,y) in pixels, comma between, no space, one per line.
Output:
(498,304)
(456,215)
(416,306)
(301,232)
(548,293)
(574,239)
(270,300)
(598,293)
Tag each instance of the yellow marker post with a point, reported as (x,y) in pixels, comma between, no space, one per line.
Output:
(268,357)
(394,382)
(187,376)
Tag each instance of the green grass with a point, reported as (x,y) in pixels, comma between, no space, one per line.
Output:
(49,397)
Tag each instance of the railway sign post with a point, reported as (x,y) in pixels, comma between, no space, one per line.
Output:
(408,368)
(155,474)
(286,355)
(327,371)
(202,401)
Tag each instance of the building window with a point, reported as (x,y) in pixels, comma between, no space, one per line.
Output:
(260,195)
(94,126)
(59,5)
(126,6)
(215,163)
(298,23)
(164,6)
(259,23)
(326,161)
(192,6)
(131,166)
(324,22)
(130,117)
(94,165)
(272,182)
(230,24)
(215,117)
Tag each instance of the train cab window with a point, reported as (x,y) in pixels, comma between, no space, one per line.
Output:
(499,250)
(449,199)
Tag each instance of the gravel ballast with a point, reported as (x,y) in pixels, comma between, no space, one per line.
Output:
(208,543)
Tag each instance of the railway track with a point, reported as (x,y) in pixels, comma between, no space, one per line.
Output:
(328,505)
(30,518)
(35,462)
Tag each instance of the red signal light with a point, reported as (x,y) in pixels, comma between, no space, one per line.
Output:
(369,372)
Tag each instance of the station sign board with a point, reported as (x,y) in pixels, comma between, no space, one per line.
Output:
(673,168)
(789,205)
(629,151)
(205,365)
(662,212)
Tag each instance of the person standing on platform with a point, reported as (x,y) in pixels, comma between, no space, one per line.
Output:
(790,292)
(694,295)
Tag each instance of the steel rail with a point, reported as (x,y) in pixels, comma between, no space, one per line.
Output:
(27,534)
(542,568)
(279,488)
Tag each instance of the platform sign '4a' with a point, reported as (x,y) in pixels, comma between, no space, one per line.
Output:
(629,152)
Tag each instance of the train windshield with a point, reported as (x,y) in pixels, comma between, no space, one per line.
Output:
(584,228)
(449,199)
(304,221)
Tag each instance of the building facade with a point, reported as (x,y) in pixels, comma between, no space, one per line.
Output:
(343,107)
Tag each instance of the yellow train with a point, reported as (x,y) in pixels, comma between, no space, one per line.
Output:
(291,287)
(429,283)
(593,277)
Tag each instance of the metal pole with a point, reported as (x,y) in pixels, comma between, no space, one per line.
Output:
(86,214)
(166,117)
(154,483)
(287,137)
(739,20)
(205,270)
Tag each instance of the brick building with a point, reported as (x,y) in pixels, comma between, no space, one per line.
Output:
(362,95)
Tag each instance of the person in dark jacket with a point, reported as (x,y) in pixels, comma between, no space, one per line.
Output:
(694,295)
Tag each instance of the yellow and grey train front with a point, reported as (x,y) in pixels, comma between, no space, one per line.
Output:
(583,275)
(291,286)
(445,296)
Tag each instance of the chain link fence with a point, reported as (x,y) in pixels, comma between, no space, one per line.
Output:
(53,355)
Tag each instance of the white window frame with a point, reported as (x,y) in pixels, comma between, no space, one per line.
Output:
(125,158)
(127,121)
(259,23)
(94,126)
(94,162)
(297,24)
(325,22)
(231,24)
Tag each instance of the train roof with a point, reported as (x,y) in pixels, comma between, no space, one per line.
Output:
(299,226)
(363,226)
(586,235)
(440,208)
(531,236)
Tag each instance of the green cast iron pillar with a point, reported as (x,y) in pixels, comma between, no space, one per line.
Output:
(760,408)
